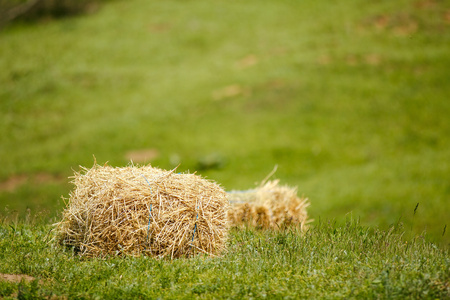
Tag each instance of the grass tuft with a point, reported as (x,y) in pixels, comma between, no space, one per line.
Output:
(328,261)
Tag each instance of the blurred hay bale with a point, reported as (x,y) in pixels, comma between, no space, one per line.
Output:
(268,206)
(143,210)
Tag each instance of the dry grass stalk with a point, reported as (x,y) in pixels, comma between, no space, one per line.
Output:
(143,210)
(268,206)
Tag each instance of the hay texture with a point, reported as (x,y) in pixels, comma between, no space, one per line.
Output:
(143,210)
(271,205)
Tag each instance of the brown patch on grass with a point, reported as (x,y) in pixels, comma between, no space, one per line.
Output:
(447,17)
(276,84)
(418,16)
(16,278)
(143,155)
(352,60)
(247,62)
(324,60)
(380,22)
(278,51)
(160,27)
(426,4)
(15,181)
(230,91)
(405,25)
(400,24)
(44,178)
(372,59)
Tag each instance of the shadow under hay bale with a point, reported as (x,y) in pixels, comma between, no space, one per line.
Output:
(143,210)
(268,206)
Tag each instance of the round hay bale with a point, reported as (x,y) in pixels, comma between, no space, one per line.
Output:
(268,206)
(143,210)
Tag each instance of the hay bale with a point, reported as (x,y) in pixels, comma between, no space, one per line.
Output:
(268,206)
(143,210)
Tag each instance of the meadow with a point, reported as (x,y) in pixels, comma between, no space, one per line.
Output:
(349,99)
(328,262)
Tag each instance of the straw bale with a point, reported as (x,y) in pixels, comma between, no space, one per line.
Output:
(143,210)
(270,205)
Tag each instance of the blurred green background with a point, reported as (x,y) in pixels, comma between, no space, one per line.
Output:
(349,98)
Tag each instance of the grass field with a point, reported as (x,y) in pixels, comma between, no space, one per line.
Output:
(348,98)
(349,261)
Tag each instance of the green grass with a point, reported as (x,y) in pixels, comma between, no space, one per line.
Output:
(348,98)
(329,261)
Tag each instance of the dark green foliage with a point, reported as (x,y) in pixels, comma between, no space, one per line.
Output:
(11,10)
(6,288)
